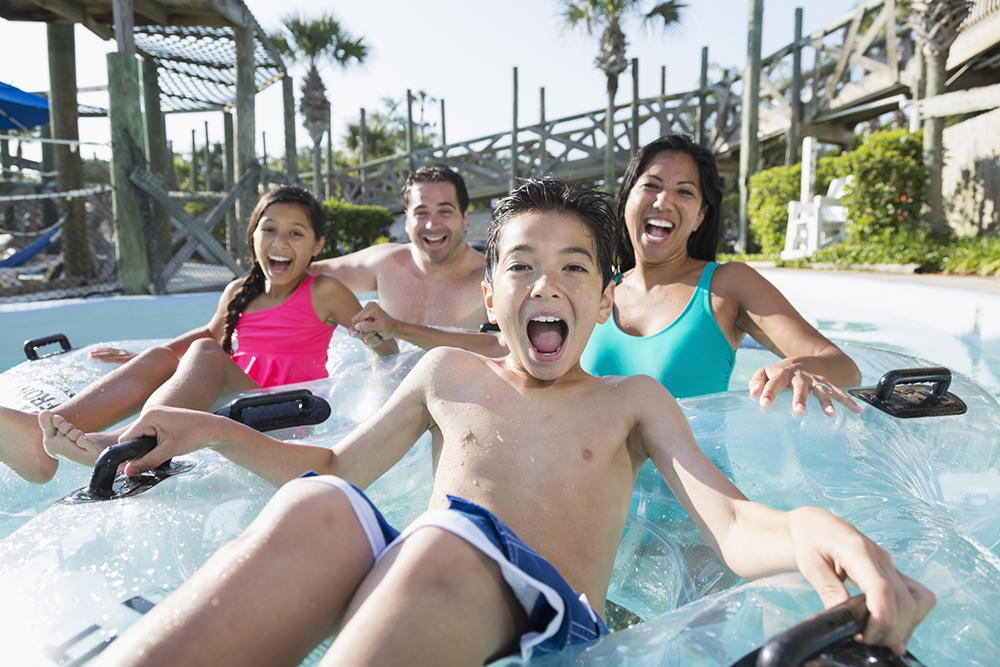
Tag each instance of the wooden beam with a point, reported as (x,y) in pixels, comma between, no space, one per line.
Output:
(124,26)
(960,102)
(154,11)
(233,11)
(71,11)
(246,133)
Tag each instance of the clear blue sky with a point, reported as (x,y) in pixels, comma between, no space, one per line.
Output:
(459,50)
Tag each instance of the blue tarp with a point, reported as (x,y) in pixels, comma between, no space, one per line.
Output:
(20,110)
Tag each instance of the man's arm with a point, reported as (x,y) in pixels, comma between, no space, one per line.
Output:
(361,458)
(372,320)
(755,540)
(358,270)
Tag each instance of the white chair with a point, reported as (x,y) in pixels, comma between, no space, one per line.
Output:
(816,224)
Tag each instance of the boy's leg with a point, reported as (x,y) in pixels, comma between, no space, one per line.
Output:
(433,600)
(105,402)
(266,598)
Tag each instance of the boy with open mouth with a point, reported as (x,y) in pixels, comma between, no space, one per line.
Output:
(534,466)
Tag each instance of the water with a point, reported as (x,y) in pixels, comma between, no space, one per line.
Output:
(926,489)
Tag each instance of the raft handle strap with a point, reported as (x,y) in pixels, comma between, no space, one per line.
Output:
(31,346)
(941,377)
(303,396)
(106,468)
(800,642)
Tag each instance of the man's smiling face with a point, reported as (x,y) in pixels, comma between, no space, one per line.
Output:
(434,222)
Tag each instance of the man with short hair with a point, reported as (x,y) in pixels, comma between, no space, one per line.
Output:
(436,278)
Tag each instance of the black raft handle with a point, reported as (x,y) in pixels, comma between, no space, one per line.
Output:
(31,346)
(800,642)
(302,396)
(106,468)
(941,377)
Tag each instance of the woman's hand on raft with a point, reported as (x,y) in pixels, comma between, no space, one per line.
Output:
(789,374)
(828,551)
(112,355)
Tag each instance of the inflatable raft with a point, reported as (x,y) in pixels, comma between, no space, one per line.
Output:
(74,575)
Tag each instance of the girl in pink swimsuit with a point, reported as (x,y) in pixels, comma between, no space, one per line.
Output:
(272,327)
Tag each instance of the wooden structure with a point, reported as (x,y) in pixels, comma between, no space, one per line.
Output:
(197,55)
(819,85)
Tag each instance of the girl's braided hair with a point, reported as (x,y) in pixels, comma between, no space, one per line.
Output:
(253,282)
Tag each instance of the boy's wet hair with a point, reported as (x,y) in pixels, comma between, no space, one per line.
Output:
(437,173)
(591,207)
(253,282)
(704,241)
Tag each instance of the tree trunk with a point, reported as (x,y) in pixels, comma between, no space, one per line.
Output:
(934,146)
(318,170)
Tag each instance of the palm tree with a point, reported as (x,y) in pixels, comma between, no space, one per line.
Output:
(607,17)
(314,41)
(936,24)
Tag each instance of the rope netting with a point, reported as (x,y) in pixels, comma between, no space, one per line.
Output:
(197,65)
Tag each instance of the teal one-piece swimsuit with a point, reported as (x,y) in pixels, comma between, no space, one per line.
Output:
(690,357)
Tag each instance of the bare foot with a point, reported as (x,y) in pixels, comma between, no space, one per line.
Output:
(21,447)
(62,440)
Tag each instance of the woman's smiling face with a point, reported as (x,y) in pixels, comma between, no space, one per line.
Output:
(664,207)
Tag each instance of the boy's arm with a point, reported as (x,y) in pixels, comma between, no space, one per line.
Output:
(374,321)
(361,458)
(755,540)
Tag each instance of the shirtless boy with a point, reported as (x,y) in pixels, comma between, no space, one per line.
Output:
(529,440)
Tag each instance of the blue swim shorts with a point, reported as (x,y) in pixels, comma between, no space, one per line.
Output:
(558,615)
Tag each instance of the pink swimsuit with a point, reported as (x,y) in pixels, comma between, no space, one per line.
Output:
(284,344)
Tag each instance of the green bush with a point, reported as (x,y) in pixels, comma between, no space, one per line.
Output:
(888,246)
(980,256)
(888,188)
(770,192)
(350,227)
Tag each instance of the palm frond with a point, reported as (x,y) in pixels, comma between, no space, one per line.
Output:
(669,12)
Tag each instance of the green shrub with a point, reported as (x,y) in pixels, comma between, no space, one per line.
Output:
(350,227)
(979,256)
(889,246)
(888,188)
(770,192)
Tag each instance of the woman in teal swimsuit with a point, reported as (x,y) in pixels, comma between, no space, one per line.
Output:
(679,316)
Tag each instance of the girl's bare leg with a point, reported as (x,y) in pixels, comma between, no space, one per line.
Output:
(205,373)
(267,598)
(105,402)
(433,600)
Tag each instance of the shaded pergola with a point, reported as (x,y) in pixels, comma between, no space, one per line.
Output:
(196,55)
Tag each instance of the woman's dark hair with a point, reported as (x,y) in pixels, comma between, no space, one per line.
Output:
(704,241)
(253,281)
(590,207)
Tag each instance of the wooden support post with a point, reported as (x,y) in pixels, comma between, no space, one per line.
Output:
(663,80)
(363,141)
(63,115)
(748,123)
(700,136)
(329,162)
(194,163)
(513,140)
(409,130)
(171,174)
(246,133)
(7,218)
(543,135)
(817,70)
(233,240)
(208,161)
(291,152)
(124,25)
(127,144)
(156,150)
(263,161)
(634,130)
(794,128)
(444,137)
(50,210)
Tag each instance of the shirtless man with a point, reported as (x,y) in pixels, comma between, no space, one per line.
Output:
(527,450)
(435,279)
